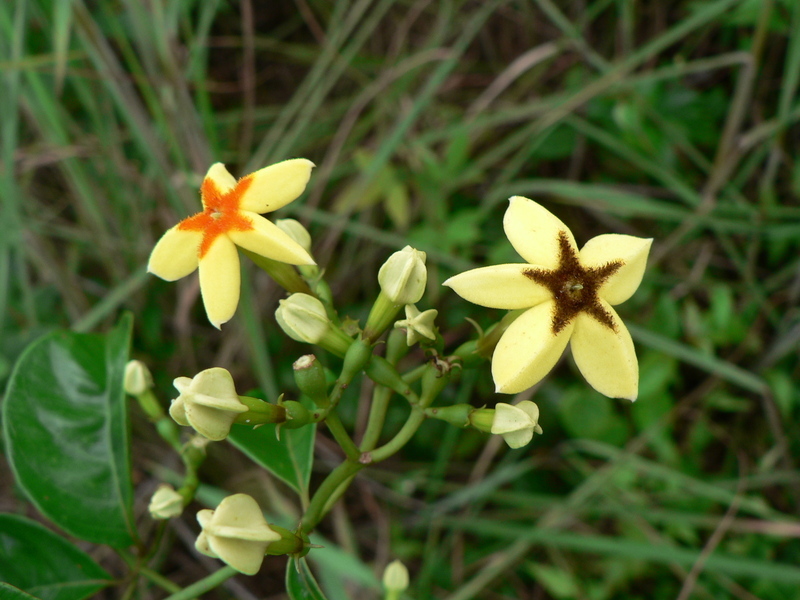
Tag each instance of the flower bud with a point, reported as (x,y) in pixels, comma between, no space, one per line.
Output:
(208,402)
(395,579)
(296,231)
(165,503)
(236,532)
(303,318)
(516,424)
(309,375)
(403,276)
(137,378)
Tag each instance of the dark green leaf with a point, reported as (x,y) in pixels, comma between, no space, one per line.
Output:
(40,562)
(300,583)
(66,432)
(289,458)
(9,592)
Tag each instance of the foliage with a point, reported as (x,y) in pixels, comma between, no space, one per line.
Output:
(671,120)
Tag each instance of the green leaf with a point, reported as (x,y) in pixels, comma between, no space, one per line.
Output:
(289,458)
(40,562)
(9,592)
(66,432)
(300,582)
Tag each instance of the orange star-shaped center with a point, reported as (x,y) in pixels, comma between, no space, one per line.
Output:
(221,213)
(573,286)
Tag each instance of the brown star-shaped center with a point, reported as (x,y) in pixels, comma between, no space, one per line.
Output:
(574,287)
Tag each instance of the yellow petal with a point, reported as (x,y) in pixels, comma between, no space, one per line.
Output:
(219,280)
(606,358)
(240,516)
(209,422)
(275,186)
(201,544)
(175,254)
(518,439)
(533,231)
(177,410)
(222,179)
(216,382)
(528,349)
(266,239)
(632,251)
(508,417)
(245,557)
(499,286)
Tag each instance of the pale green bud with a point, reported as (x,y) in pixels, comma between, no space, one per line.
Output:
(236,533)
(296,231)
(208,402)
(165,503)
(303,318)
(137,379)
(516,423)
(309,375)
(395,578)
(403,276)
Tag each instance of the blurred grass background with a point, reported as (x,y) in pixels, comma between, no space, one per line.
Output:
(673,120)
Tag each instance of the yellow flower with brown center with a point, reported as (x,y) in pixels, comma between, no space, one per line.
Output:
(568,295)
(230,218)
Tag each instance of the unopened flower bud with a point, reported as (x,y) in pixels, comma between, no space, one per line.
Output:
(165,503)
(208,402)
(236,533)
(395,579)
(403,276)
(137,378)
(295,230)
(516,424)
(303,318)
(309,375)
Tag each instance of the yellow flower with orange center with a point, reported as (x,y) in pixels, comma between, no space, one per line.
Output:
(230,218)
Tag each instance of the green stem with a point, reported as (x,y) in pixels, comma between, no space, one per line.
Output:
(377,417)
(416,419)
(192,458)
(165,426)
(199,588)
(140,569)
(316,509)
(341,436)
